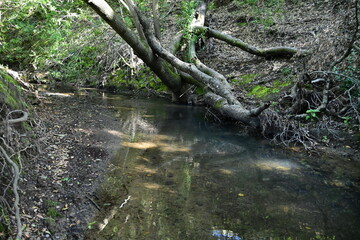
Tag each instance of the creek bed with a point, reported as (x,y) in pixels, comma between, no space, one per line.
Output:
(177,176)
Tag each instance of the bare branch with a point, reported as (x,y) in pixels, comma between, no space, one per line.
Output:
(286,52)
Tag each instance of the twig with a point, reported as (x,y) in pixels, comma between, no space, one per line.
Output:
(93,202)
(356,47)
(335,73)
(190,88)
(125,201)
(213,114)
(318,80)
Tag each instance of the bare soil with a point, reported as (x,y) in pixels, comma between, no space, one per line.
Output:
(320,27)
(58,185)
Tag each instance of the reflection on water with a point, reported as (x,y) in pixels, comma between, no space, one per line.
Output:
(177,177)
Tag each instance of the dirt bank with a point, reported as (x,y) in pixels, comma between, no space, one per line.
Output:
(58,185)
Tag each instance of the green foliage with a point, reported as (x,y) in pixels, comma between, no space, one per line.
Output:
(325,139)
(260,91)
(347,120)
(264,12)
(49,36)
(286,71)
(52,212)
(350,75)
(211,6)
(32,30)
(311,114)
(90,225)
(244,79)
(4,223)
(10,92)
(142,79)
(199,91)
(186,15)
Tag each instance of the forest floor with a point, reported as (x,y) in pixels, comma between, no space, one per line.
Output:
(58,186)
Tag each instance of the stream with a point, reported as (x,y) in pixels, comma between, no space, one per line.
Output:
(178,176)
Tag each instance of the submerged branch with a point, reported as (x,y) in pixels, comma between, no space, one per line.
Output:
(249,117)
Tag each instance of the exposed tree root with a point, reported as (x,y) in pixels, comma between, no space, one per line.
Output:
(16,177)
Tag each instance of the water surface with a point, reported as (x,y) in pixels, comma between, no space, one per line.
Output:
(177,176)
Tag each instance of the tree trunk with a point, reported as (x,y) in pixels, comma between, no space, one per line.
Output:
(156,19)
(157,65)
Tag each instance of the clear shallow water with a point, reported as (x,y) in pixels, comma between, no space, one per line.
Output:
(175,176)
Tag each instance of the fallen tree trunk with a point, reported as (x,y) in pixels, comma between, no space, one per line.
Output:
(219,96)
(178,74)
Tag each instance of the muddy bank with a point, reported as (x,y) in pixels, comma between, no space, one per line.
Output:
(58,184)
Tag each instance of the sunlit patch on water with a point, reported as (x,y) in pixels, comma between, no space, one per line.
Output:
(225,235)
(185,177)
(274,164)
(58,94)
(144,169)
(153,186)
(226,171)
(139,145)
(113,132)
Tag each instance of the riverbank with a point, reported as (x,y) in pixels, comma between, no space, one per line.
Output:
(58,185)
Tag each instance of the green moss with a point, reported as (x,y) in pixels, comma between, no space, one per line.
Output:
(259,91)
(247,78)
(8,94)
(242,24)
(263,92)
(244,79)
(279,84)
(218,104)
(53,213)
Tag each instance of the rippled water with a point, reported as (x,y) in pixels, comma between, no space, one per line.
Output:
(176,176)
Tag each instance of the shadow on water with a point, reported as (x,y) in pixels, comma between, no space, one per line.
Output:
(177,177)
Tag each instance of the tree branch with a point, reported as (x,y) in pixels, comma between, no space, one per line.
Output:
(214,84)
(143,51)
(286,52)
(199,20)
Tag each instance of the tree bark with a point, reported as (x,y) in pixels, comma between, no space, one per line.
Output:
(163,71)
(156,19)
